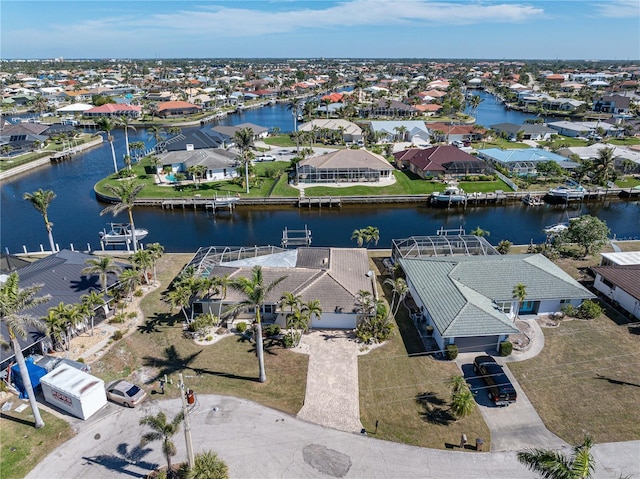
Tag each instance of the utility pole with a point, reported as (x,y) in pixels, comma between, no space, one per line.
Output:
(187,423)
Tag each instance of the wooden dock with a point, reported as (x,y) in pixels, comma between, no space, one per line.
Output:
(329,201)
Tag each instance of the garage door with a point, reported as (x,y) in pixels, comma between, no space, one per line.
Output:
(477,344)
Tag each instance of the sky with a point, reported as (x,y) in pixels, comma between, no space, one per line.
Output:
(477,29)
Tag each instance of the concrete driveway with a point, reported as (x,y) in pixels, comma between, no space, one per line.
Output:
(513,427)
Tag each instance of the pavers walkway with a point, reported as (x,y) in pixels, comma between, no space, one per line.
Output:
(332,397)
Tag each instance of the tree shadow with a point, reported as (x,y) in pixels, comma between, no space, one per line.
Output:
(432,410)
(151,324)
(125,458)
(173,363)
(616,381)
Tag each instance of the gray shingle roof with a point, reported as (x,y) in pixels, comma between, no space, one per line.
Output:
(459,291)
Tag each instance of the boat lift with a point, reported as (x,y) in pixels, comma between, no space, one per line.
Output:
(296,237)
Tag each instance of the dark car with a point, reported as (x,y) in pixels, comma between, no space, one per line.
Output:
(501,391)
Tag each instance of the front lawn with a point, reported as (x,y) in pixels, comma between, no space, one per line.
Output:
(501,143)
(629,141)
(628,182)
(563,142)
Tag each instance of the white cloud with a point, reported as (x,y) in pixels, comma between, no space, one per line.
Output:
(619,8)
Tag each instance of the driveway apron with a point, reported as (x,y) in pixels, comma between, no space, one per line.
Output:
(332,397)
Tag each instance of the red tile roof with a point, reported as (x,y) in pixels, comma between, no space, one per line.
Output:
(434,158)
(176,105)
(114,108)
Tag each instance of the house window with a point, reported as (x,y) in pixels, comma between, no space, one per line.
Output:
(504,306)
(606,282)
(268,309)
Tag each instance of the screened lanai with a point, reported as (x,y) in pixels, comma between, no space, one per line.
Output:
(441,245)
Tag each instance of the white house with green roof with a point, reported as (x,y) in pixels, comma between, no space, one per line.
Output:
(469,299)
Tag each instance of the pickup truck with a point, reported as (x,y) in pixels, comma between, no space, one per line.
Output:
(501,391)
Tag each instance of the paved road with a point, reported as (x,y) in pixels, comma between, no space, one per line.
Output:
(258,442)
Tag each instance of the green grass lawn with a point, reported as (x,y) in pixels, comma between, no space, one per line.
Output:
(624,141)
(499,143)
(628,182)
(228,367)
(22,446)
(563,141)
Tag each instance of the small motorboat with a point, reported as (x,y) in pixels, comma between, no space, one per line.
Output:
(120,233)
(556,229)
(451,194)
(573,192)
(532,200)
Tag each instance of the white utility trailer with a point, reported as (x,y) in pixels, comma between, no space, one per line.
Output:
(74,391)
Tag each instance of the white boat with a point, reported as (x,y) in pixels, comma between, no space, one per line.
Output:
(567,193)
(556,229)
(120,233)
(451,194)
(532,200)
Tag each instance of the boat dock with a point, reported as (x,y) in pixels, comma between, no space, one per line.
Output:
(296,237)
(310,201)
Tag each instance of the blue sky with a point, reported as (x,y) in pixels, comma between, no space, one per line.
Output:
(533,29)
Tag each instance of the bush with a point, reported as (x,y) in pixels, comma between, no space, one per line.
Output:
(80,360)
(209,338)
(241,327)
(569,310)
(138,293)
(132,315)
(117,319)
(201,324)
(506,348)
(589,310)
(451,351)
(117,335)
(291,339)
(272,330)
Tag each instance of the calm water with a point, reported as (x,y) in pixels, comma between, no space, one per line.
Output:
(76,213)
(491,112)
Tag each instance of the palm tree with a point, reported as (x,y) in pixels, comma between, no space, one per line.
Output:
(294,108)
(130,279)
(207,465)
(56,327)
(556,465)
(399,289)
(359,236)
(603,167)
(462,403)
(162,431)
(139,147)
(156,250)
(142,260)
(520,293)
(13,303)
(312,308)
(126,123)
(292,301)
(105,125)
(126,193)
(256,293)
(480,232)
(92,300)
(41,200)
(103,267)
(474,102)
(371,234)
(401,132)
(243,139)
(155,163)
(39,103)
(181,296)
(156,132)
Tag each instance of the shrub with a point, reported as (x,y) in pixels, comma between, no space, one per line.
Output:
(138,293)
(506,348)
(589,310)
(201,324)
(241,327)
(117,319)
(272,330)
(208,338)
(132,315)
(117,335)
(81,360)
(291,339)
(569,310)
(451,351)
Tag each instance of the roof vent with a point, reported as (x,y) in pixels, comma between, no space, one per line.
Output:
(325,260)
(189,146)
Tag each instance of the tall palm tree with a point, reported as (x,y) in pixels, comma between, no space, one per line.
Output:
(155,163)
(130,279)
(92,300)
(181,296)
(401,132)
(359,236)
(126,193)
(156,132)
(103,267)
(126,123)
(156,250)
(142,260)
(294,108)
(222,283)
(399,289)
(14,301)
(41,200)
(106,125)
(56,327)
(256,293)
(520,293)
(371,234)
(312,308)
(39,103)
(138,147)
(556,465)
(162,431)
(243,139)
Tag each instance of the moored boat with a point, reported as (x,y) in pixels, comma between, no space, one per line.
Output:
(532,200)
(567,192)
(121,233)
(451,194)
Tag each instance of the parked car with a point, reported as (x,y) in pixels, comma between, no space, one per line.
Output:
(457,143)
(266,158)
(501,391)
(125,393)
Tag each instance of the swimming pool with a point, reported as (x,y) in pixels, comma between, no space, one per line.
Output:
(171,177)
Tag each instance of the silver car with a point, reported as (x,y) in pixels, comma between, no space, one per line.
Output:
(125,393)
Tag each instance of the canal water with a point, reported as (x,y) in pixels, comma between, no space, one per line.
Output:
(75,212)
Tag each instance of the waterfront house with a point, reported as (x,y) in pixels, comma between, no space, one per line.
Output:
(333,276)
(391,108)
(469,299)
(523,161)
(415,131)
(23,137)
(535,131)
(348,131)
(169,109)
(113,110)
(591,152)
(612,104)
(620,283)
(259,132)
(194,140)
(584,128)
(220,164)
(344,166)
(438,161)
(451,133)
(62,278)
